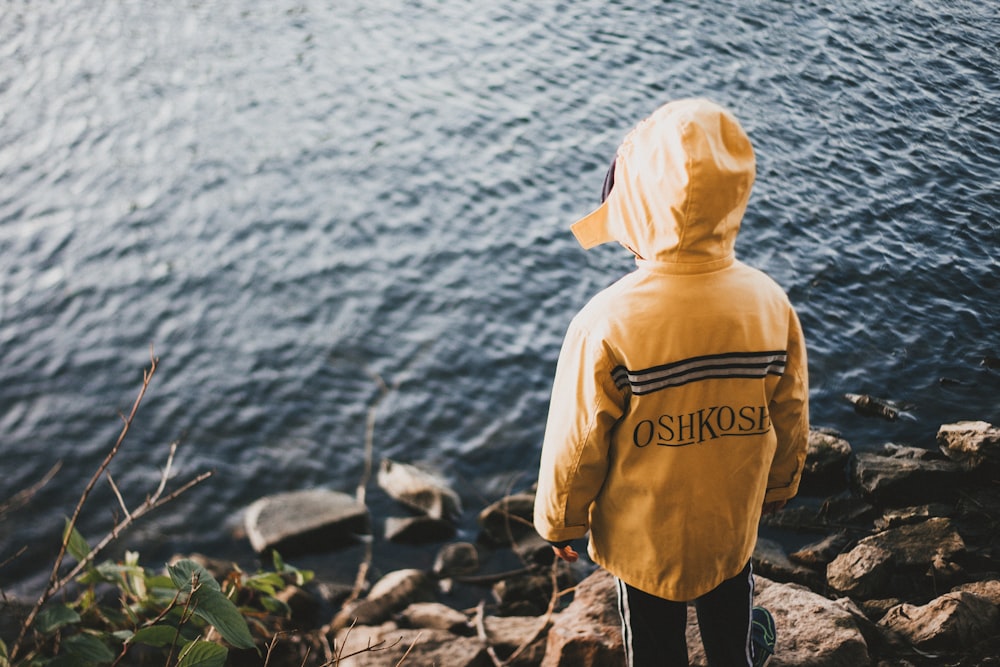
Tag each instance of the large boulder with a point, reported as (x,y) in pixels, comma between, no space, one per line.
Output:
(952,622)
(864,571)
(419,489)
(303,521)
(904,479)
(812,630)
(588,632)
(970,443)
(770,560)
(919,544)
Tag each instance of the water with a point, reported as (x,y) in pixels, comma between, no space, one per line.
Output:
(288,200)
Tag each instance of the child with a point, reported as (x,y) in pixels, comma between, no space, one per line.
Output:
(679,409)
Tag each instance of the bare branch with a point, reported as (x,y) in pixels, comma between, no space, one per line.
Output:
(118,495)
(22,498)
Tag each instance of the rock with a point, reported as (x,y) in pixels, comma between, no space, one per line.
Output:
(970,443)
(508,520)
(988,589)
(420,489)
(826,463)
(421,647)
(390,594)
(533,550)
(871,406)
(911,515)
(917,545)
(523,595)
(908,452)
(812,630)
(864,571)
(954,621)
(891,479)
(456,559)
(418,529)
(435,616)
(506,634)
(819,554)
(769,560)
(304,606)
(876,609)
(588,632)
(302,521)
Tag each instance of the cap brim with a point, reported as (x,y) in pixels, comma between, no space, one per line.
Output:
(592,230)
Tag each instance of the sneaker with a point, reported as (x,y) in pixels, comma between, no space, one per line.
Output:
(763,636)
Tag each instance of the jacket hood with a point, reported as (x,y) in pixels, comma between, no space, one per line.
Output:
(682,179)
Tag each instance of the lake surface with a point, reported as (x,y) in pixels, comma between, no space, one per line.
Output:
(292,201)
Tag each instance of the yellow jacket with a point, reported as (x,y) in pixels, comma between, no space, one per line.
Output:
(680,401)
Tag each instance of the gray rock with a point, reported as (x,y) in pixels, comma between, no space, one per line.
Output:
(917,545)
(812,630)
(508,520)
(891,479)
(435,616)
(951,622)
(523,595)
(864,571)
(390,594)
(418,529)
(971,443)
(456,559)
(303,521)
(588,632)
(419,489)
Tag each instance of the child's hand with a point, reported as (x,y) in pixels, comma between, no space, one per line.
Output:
(567,553)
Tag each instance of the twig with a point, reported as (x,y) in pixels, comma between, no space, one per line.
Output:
(370,436)
(481,633)
(409,648)
(118,495)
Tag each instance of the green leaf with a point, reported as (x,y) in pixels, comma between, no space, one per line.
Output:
(279,563)
(183,571)
(88,648)
(155,635)
(76,545)
(203,654)
(218,610)
(52,618)
(276,606)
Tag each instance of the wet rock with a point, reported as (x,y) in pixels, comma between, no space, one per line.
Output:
(826,463)
(770,560)
(418,529)
(871,406)
(304,521)
(951,622)
(865,571)
(419,489)
(421,647)
(893,479)
(506,634)
(812,630)
(917,545)
(508,520)
(973,444)
(435,616)
(819,554)
(390,594)
(456,559)
(533,550)
(588,632)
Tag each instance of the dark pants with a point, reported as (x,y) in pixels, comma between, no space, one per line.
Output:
(653,629)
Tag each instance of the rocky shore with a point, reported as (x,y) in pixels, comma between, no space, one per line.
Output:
(899,564)
(888,558)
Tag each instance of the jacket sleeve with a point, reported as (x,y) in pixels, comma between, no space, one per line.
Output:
(790,416)
(584,407)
